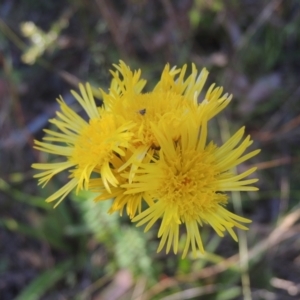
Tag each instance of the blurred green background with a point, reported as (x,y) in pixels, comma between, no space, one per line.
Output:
(78,251)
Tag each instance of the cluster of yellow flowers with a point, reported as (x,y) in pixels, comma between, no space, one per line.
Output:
(149,153)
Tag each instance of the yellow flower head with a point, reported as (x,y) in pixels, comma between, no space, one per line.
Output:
(87,146)
(187,184)
(152,147)
(172,100)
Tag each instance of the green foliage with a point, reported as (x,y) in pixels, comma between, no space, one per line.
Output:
(229,293)
(131,252)
(127,245)
(200,9)
(45,281)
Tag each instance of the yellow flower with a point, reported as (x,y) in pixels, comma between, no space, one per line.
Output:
(187,183)
(152,147)
(87,146)
(171,101)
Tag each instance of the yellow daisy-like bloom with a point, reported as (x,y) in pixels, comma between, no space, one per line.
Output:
(87,146)
(152,147)
(187,183)
(172,100)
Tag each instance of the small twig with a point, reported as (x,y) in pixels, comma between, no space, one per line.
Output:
(20,137)
(281,112)
(113,20)
(170,11)
(243,244)
(11,35)
(276,162)
(280,133)
(260,20)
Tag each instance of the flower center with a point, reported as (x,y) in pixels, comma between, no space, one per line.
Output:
(189,183)
(95,143)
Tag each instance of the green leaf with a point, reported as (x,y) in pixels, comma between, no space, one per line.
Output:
(45,281)
(131,252)
(229,293)
(39,234)
(20,196)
